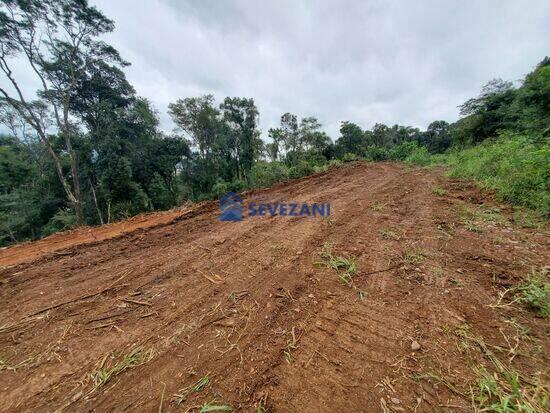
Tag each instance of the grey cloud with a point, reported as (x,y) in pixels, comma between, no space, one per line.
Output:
(377,61)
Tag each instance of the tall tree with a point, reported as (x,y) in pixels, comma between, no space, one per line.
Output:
(59,40)
(242,116)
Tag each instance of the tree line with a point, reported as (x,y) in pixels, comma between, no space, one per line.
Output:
(86,149)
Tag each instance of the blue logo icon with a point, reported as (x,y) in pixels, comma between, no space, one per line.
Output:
(231,207)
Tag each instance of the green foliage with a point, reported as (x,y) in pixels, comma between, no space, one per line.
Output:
(506,393)
(303,168)
(61,221)
(419,156)
(512,165)
(264,174)
(535,292)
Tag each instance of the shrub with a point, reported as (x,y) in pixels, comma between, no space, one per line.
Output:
(419,156)
(265,174)
(376,153)
(301,169)
(512,165)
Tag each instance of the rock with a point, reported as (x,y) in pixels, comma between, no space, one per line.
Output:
(395,400)
(415,346)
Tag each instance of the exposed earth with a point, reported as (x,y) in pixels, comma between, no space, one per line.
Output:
(178,311)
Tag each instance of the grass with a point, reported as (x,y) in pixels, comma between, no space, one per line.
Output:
(213,406)
(475,218)
(506,393)
(535,292)
(196,387)
(413,257)
(377,206)
(439,191)
(345,267)
(513,165)
(504,390)
(527,219)
(388,234)
(134,358)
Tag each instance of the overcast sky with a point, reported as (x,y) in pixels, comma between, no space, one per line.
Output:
(407,62)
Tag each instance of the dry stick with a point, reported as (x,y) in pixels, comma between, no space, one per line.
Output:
(127,300)
(83,297)
(162,398)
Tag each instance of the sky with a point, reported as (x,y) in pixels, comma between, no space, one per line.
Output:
(406,62)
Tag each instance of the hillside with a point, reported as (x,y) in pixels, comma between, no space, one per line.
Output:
(176,310)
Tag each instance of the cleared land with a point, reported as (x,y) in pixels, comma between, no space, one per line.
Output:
(178,310)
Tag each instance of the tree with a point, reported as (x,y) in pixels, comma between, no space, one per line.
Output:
(241,115)
(289,132)
(352,139)
(58,38)
(490,111)
(198,118)
(533,100)
(437,137)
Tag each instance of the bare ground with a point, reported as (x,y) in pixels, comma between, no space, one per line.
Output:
(250,305)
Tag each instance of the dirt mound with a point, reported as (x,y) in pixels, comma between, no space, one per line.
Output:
(385,306)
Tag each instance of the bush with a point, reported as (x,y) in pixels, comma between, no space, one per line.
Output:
(350,157)
(376,153)
(512,165)
(61,221)
(303,168)
(265,174)
(220,188)
(419,156)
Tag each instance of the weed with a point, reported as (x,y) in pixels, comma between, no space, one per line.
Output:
(512,165)
(505,393)
(213,407)
(330,220)
(377,206)
(438,379)
(472,226)
(389,234)
(196,387)
(527,219)
(290,346)
(288,356)
(439,191)
(413,257)
(346,267)
(134,358)
(6,366)
(535,293)
(362,295)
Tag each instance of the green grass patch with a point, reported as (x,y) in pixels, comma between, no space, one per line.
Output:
(512,165)
(506,393)
(439,191)
(535,292)
(134,358)
(345,266)
(196,387)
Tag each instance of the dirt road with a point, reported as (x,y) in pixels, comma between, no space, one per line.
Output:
(195,311)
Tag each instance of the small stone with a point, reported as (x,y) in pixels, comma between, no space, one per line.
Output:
(415,346)
(395,400)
